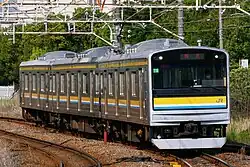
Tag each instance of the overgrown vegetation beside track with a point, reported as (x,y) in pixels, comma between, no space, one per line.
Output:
(239,128)
(10,108)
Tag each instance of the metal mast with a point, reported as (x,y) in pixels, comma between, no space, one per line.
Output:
(180,21)
(220,26)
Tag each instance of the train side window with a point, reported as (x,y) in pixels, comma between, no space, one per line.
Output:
(30,81)
(110,83)
(38,82)
(84,83)
(42,83)
(73,87)
(122,83)
(68,82)
(34,82)
(26,82)
(133,83)
(145,75)
(101,80)
(62,83)
(50,83)
(54,83)
(96,83)
(22,81)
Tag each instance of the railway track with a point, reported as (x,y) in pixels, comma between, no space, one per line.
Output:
(172,160)
(59,154)
(215,160)
(177,161)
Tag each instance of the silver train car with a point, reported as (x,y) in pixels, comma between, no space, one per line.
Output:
(160,91)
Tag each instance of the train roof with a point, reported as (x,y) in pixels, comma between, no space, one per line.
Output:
(106,53)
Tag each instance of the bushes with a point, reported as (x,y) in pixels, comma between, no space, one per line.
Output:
(240,92)
(239,128)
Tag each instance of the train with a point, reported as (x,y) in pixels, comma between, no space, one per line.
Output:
(160,91)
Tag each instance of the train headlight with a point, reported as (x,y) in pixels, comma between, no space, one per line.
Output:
(160,58)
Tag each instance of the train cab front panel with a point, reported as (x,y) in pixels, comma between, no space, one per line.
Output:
(189,98)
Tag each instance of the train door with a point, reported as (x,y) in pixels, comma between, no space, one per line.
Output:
(127,94)
(105,94)
(122,99)
(73,100)
(22,87)
(38,89)
(46,93)
(91,91)
(102,103)
(51,91)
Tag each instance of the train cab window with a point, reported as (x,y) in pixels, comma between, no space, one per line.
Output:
(62,83)
(96,83)
(54,83)
(133,83)
(34,82)
(73,86)
(26,82)
(84,83)
(110,83)
(122,83)
(42,83)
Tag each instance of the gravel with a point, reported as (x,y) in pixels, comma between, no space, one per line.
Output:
(110,154)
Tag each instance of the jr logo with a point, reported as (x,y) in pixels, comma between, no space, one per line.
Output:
(220,100)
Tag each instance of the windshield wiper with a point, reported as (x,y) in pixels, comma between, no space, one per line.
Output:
(194,89)
(216,88)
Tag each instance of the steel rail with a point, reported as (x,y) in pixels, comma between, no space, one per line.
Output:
(183,162)
(215,160)
(84,155)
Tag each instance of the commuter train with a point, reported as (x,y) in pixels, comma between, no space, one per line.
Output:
(160,91)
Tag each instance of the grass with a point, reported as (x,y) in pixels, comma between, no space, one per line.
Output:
(10,108)
(239,130)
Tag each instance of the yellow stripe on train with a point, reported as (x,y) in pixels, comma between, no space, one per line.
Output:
(190,100)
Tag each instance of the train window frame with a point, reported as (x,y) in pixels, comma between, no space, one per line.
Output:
(84,83)
(38,82)
(134,77)
(110,83)
(53,83)
(62,83)
(73,83)
(34,82)
(97,83)
(22,81)
(101,83)
(50,83)
(68,82)
(122,83)
(42,82)
(30,80)
(26,82)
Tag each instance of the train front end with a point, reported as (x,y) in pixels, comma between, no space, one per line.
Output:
(189,98)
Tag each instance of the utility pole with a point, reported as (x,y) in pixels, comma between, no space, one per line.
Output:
(117,27)
(180,20)
(220,26)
